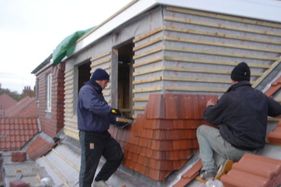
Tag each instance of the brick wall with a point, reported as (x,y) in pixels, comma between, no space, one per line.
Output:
(51,122)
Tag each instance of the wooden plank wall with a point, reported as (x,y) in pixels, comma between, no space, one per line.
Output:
(148,67)
(70,117)
(202,48)
(195,51)
(70,120)
(103,61)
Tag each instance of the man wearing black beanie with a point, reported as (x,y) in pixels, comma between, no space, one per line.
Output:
(240,120)
(94,118)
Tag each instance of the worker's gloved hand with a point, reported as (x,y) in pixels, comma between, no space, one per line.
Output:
(115,111)
(123,122)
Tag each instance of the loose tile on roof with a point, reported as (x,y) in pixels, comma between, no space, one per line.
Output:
(254,170)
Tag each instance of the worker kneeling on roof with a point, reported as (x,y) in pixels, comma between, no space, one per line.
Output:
(240,116)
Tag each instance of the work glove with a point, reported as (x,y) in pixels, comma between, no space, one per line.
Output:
(122,122)
(115,112)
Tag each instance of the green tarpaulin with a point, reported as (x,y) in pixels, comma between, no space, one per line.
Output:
(67,46)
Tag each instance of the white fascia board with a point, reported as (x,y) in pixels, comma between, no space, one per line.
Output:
(124,16)
(269,10)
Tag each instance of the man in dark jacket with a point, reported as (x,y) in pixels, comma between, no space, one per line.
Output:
(241,117)
(94,118)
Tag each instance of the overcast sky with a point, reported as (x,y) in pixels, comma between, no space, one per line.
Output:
(31,29)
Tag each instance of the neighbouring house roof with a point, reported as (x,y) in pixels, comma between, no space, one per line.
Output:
(16,132)
(26,107)
(257,9)
(6,101)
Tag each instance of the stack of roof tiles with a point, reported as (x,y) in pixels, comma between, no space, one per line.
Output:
(254,170)
(163,138)
(16,132)
(39,147)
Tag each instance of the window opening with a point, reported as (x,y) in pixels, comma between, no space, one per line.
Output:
(84,74)
(125,78)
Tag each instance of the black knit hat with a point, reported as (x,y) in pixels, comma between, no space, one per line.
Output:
(100,74)
(241,72)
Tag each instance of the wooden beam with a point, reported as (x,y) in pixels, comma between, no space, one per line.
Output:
(100,61)
(267,72)
(147,89)
(147,80)
(146,35)
(218,25)
(148,43)
(197,79)
(148,52)
(211,62)
(140,63)
(187,69)
(223,35)
(94,58)
(195,89)
(219,53)
(220,44)
(224,17)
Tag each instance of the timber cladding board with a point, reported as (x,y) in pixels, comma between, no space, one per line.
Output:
(185,30)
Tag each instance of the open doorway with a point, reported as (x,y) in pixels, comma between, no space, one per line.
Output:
(125,77)
(84,73)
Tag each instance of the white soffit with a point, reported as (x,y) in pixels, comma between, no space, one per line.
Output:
(259,9)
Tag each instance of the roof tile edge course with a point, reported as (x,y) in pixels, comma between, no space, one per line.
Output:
(155,132)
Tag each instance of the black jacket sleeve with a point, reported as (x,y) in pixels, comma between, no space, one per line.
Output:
(213,113)
(274,108)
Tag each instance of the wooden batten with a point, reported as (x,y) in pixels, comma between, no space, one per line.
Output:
(218,25)
(223,35)
(224,17)
(265,74)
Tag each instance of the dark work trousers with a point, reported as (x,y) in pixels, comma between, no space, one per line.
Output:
(93,146)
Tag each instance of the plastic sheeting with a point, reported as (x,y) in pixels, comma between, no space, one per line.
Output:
(67,46)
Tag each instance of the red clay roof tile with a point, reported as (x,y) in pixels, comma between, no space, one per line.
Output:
(12,129)
(274,137)
(163,138)
(275,86)
(189,175)
(254,170)
(39,147)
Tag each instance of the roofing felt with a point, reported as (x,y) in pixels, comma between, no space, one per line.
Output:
(16,132)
